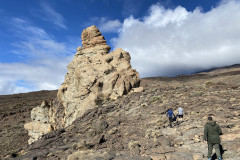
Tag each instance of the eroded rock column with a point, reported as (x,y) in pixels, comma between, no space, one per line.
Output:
(94,76)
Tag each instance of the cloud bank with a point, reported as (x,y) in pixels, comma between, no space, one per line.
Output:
(169,42)
(44,60)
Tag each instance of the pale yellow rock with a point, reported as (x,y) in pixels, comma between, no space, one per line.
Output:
(138,90)
(158,157)
(198,156)
(133,144)
(36,130)
(95,75)
(178,142)
(38,127)
(230,136)
(197,139)
(232,99)
(40,124)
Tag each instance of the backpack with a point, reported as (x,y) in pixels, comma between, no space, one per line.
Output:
(175,118)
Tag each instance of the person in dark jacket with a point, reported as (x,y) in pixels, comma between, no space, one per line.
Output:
(170,115)
(211,135)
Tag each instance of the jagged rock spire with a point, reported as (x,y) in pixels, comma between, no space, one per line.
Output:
(94,76)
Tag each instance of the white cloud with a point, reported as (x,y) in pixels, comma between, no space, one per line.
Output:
(105,25)
(169,42)
(8,87)
(35,41)
(40,74)
(53,16)
(159,17)
(109,25)
(23,28)
(34,76)
(44,64)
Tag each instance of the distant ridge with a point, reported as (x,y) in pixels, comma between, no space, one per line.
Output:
(216,68)
(195,73)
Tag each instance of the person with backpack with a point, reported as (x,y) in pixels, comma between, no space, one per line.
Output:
(211,136)
(170,115)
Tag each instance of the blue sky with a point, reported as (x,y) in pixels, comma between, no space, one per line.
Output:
(164,37)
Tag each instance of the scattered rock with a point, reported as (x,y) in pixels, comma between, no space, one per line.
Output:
(137,90)
(90,154)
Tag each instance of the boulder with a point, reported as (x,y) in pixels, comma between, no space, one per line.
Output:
(95,76)
(40,122)
(137,90)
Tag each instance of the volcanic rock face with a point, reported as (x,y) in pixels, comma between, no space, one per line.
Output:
(94,76)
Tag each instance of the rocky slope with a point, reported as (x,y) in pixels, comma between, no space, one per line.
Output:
(14,113)
(134,126)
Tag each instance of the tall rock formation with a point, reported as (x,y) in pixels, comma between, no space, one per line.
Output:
(94,76)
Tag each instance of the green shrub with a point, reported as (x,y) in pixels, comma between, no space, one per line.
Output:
(208,84)
(155,99)
(98,101)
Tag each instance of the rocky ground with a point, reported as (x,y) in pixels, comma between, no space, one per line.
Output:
(135,126)
(14,113)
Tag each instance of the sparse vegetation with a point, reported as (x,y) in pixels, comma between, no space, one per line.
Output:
(208,84)
(197,94)
(98,101)
(156,99)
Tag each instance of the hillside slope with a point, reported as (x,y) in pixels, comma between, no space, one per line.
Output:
(15,111)
(135,126)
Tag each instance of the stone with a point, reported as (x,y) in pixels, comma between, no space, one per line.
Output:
(158,157)
(197,139)
(198,156)
(40,122)
(133,144)
(99,125)
(134,147)
(137,90)
(81,146)
(113,130)
(178,141)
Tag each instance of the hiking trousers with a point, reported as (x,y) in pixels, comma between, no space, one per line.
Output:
(216,147)
(170,121)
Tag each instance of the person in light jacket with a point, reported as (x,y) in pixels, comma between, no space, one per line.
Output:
(180,114)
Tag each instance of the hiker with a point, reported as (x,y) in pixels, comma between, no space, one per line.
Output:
(211,136)
(170,115)
(180,114)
